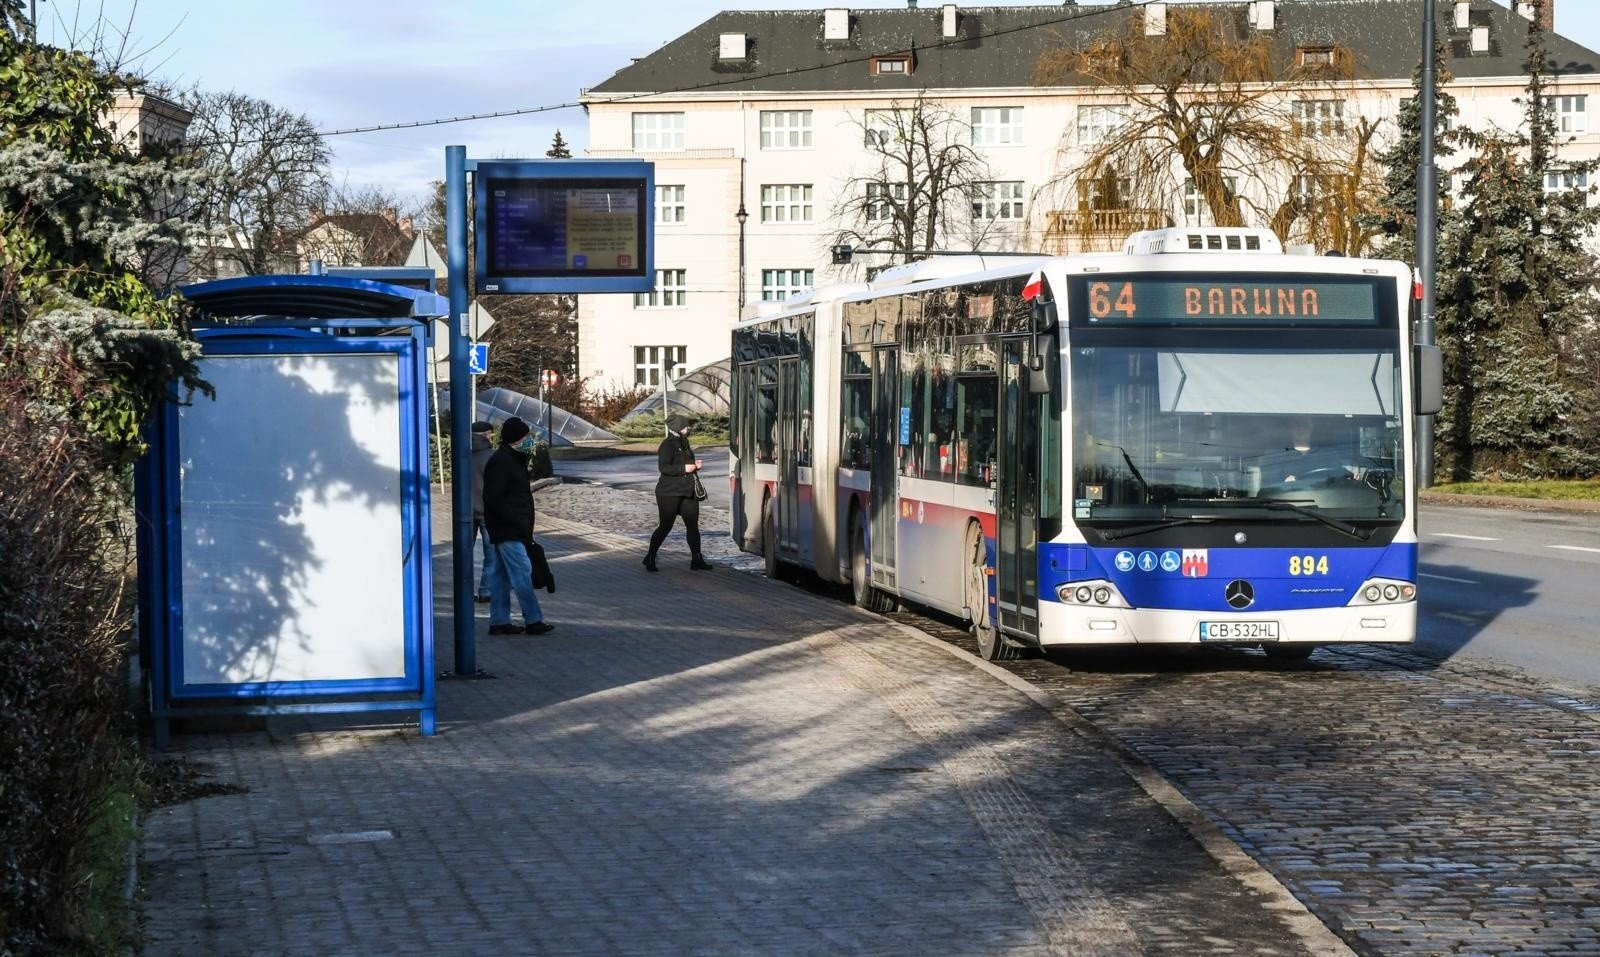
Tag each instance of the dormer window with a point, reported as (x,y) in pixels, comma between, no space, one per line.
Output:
(891,65)
(1315,57)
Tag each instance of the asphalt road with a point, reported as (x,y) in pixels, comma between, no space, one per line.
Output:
(1519,587)
(1507,586)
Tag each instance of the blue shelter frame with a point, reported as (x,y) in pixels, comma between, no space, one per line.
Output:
(284,537)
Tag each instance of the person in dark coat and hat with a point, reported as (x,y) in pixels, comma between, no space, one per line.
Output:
(675,493)
(508,516)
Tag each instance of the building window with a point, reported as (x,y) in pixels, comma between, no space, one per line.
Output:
(669,204)
(1571,113)
(1562,180)
(1105,192)
(786,203)
(657,131)
(886,128)
(779,284)
(883,200)
(891,65)
(651,362)
(1097,123)
(997,201)
(785,129)
(1319,118)
(997,126)
(671,289)
(1195,207)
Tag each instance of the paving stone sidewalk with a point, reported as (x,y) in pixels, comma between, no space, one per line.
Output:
(693,763)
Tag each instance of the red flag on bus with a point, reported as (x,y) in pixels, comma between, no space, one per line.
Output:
(1034,287)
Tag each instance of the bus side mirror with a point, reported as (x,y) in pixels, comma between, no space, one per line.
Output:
(1038,366)
(1427,379)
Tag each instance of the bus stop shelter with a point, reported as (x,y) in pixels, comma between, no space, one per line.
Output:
(284,537)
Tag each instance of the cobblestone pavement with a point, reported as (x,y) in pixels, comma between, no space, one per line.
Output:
(696,764)
(1417,807)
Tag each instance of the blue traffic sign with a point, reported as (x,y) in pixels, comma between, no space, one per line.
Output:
(478,361)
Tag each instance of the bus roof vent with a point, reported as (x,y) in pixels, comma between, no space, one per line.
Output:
(1216,239)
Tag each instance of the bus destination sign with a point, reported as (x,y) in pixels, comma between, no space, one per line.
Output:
(1271,300)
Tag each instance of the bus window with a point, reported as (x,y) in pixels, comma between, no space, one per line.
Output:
(941,448)
(766,413)
(914,403)
(977,398)
(856,443)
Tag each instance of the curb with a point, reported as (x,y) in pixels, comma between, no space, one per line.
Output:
(1318,939)
(1508,502)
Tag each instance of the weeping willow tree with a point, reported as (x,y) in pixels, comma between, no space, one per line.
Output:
(1197,113)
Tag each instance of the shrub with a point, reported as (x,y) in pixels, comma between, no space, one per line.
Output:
(610,405)
(63,559)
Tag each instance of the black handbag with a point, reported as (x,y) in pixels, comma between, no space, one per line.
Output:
(699,487)
(542,576)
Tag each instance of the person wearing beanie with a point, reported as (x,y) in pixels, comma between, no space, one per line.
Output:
(508,517)
(675,493)
(482,449)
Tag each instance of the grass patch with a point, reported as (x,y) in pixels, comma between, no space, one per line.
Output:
(107,922)
(1586,491)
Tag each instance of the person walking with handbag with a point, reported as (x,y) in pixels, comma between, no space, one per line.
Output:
(678,493)
(508,516)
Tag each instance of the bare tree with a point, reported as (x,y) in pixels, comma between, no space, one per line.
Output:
(1200,117)
(362,226)
(918,192)
(269,179)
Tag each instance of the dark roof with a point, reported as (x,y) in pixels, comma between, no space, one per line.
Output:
(313,297)
(998,46)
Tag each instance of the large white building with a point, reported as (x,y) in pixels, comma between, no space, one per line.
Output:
(758,124)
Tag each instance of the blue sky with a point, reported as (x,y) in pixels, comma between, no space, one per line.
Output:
(350,63)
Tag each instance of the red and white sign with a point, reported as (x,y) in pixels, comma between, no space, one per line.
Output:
(1196,562)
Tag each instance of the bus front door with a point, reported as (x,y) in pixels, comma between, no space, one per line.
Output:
(1017,497)
(787,518)
(885,464)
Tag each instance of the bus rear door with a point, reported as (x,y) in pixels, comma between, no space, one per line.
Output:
(885,463)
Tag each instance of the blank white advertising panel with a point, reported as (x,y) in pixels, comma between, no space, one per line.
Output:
(291,521)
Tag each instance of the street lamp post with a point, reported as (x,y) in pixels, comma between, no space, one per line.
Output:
(742,216)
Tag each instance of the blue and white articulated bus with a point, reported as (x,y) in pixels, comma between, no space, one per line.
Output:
(1200,440)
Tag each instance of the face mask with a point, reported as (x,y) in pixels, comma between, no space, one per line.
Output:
(524,444)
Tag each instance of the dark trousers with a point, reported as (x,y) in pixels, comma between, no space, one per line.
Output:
(670,507)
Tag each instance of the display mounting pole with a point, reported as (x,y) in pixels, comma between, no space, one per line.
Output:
(1427,225)
(461,409)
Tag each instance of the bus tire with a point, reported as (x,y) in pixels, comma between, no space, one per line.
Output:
(861,590)
(1288,653)
(769,540)
(992,646)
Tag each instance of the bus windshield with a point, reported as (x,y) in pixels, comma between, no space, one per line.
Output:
(1217,430)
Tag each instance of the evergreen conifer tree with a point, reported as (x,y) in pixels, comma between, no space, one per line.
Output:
(1395,213)
(1516,306)
(558,148)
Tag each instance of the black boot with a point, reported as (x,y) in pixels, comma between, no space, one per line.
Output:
(700,564)
(650,563)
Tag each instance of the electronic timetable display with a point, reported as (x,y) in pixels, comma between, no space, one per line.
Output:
(564,226)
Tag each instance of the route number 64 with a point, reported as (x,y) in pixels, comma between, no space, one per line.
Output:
(1308,564)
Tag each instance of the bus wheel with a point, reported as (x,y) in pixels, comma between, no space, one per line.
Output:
(769,540)
(1296,652)
(991,646)
(861,590)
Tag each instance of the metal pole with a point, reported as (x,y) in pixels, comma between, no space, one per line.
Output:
(1427,224)
(461,408)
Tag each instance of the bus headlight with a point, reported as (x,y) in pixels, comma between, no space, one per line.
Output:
(1384,591)
(1092,594)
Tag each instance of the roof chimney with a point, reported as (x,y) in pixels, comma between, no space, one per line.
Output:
(952,20)
(1155,20)
(1541,12)
(1463,14)
(1263,14)
(836,24)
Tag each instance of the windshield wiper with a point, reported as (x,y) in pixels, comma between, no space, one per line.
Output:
(1148,494)
(1308,510)
(1172,522)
